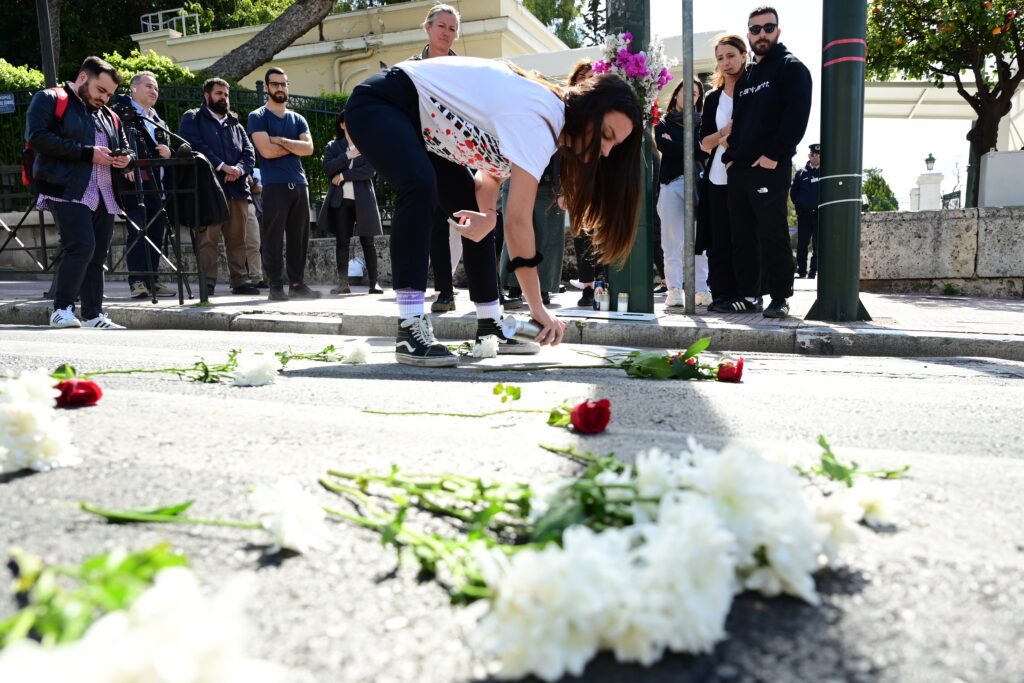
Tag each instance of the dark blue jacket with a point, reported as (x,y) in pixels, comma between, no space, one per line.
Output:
(804,192)
(225,143)
(63,148)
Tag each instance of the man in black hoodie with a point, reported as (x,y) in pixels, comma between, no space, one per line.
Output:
(773,102)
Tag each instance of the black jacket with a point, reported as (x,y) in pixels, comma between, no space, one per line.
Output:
(804,191)
(772,105)
(63,148)
(145,143)
(359,172)
(672,151)
(226,143)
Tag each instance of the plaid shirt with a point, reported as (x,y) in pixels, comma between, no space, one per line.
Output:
(101,184)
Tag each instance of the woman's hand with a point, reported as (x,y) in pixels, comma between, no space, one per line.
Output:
(726,130)
(337,180)
(552,329)
(473,224)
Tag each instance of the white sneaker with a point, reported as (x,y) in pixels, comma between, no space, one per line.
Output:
(702,298)
(63,317)
(675,297)
(102,322)
(160,289)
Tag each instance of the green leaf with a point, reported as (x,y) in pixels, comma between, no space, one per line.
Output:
(697,347)
(560,415)
(63,372)
(169,510)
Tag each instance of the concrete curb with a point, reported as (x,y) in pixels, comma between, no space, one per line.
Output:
(818,340)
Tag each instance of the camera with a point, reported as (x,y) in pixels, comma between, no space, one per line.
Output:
(120,152)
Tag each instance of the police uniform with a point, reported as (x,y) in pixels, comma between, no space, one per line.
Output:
(804,194)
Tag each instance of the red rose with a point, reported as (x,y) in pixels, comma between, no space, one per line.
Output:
(591,417)
(78,392)
(691,361)
(730,372)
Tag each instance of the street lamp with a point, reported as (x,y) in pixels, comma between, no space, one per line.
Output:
(930,162)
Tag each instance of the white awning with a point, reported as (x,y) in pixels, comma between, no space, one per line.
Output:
(916,100)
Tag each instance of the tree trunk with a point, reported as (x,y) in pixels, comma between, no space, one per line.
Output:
(983,139)
(54,6)
(276,36)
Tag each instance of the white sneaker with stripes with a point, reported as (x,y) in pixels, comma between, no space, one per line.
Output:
(64,317)
(102,322)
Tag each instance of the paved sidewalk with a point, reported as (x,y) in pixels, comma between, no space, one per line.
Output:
(902,325)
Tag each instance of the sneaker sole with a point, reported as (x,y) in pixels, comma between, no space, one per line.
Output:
(512,307)
(520,349)
(441,308)
(427,361)
(64,327)
(772,314)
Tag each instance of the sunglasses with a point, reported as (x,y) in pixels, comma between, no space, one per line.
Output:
(755,30)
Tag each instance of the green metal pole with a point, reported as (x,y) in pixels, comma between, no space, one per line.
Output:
(842,134)
(635,275)
(46,41)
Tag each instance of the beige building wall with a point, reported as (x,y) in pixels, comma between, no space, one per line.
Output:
(347,48)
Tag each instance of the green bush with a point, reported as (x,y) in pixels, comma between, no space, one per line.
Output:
(19,77)
(167,72)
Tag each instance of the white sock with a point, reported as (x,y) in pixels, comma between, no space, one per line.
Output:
(489,309)
(410,303)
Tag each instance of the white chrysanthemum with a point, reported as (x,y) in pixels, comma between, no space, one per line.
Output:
(33,386)
(543,493)
(657,474)
(682,582)
(171,634)
(356,352)
(837,516)
(620,486)
(487,347)
(256,369)
(32,434)
(762,504)
(293,517)
(877,502)
(550,606)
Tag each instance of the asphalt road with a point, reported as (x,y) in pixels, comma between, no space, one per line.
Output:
(939,599)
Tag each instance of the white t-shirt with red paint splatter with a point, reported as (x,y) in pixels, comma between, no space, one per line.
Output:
(481,114)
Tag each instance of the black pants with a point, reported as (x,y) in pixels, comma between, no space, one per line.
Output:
(143,257)
(85,240)
(382,117)
(807,233)
(285,228)
(762,256)
(347,216)
(721,274)
(586,262)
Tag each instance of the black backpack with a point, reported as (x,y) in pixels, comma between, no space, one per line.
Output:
(210,200)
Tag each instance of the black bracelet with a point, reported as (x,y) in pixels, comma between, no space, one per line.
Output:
(520,262)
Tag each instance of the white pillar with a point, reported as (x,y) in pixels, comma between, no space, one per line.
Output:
(915,199)
(930,185)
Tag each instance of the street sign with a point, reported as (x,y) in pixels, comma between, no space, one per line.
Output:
(6,103)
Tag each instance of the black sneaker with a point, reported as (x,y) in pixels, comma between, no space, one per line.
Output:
(301,291)
(276,293)
(511,303)
(415,345)
(778,308)
(245,288)
(262,284)
(444,302)
(546,298)
(735,305)
(587,300)
(486,327)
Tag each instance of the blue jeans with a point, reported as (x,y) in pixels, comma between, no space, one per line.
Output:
(142,257)
(85,238)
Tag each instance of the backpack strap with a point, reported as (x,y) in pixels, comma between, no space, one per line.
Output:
(62,101)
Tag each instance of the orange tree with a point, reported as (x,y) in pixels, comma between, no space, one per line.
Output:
(962,40)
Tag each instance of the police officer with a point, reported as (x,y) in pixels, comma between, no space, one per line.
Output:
(804,194)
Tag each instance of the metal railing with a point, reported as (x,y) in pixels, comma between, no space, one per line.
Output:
(177,19)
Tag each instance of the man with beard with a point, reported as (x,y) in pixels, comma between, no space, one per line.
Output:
(76,140)
(772,105)
(144,211)
(281,138)
(215,131)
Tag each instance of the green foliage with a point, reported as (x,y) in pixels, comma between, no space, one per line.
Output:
(880,195)
(934,39)
(595,22)
(167,72)
(216,15)
(61,602)
(19,77)
(657,365)
(560,17)
(507,392)
(832,468)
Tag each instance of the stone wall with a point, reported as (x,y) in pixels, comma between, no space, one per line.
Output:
(973,252)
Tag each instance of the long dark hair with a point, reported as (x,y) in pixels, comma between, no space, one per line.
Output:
(602,194)
(339,132)
(718,78)
(699,107)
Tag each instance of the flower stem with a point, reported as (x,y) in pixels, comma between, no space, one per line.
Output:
(127,516)
(429,412)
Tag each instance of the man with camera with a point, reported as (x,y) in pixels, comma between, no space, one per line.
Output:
(77,141)
(215,131)
(144,211)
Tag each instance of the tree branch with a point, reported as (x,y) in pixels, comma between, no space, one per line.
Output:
(293,23)
(972,100)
